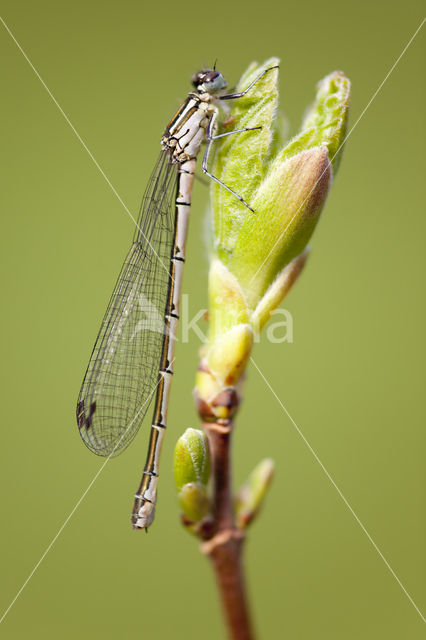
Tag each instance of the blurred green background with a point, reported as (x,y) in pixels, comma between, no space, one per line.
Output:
(353,379)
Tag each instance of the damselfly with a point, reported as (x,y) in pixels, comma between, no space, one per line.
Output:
(132,360)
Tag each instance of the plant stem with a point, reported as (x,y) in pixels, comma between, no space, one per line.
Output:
(226,545)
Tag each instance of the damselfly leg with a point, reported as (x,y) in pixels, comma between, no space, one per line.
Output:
(233,96)
(210,137)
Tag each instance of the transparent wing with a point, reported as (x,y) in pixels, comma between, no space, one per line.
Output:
(121,377)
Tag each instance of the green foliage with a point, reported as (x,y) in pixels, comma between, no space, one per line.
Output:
(240,159)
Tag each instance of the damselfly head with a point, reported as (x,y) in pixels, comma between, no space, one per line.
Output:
(208,81)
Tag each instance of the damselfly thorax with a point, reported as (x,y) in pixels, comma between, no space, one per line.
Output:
(186,132)
(133,357)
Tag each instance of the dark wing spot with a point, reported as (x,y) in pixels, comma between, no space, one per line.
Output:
(84,420)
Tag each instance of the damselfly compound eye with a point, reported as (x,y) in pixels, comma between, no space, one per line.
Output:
(198,78)
(209,81)
(215,81)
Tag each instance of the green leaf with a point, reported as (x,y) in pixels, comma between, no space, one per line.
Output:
(325,123)
(240,159)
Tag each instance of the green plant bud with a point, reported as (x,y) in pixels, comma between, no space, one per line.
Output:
(257,256)
(295,191)
(194,501)
(252,494)
(213,399)
(286,185)
(191,459)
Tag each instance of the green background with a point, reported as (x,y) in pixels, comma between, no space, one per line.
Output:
(353,379)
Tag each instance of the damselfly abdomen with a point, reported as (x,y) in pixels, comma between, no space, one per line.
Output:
(132,360)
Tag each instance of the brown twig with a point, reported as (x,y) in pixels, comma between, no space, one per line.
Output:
(226,545)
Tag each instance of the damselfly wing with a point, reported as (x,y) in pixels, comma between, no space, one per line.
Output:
(123,369)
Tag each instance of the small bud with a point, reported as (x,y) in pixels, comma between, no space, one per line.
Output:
(252,494)
(218,408)
(191,459)
(192,471)
(194,501)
